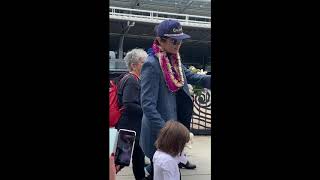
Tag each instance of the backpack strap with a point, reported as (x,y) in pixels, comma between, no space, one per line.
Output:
(125,78)
(136,77)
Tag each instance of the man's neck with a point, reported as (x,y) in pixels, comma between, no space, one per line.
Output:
(170,58)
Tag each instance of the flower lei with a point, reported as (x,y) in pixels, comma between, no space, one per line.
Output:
(172,74)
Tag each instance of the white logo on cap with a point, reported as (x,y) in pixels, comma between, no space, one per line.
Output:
(177,30)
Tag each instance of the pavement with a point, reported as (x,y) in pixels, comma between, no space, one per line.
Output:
(199,154)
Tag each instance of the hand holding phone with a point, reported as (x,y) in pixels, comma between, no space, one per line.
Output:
(112,168)
(124,148)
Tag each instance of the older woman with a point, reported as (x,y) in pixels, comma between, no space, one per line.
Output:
(129,99)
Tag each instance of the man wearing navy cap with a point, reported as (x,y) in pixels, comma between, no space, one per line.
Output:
(164,86)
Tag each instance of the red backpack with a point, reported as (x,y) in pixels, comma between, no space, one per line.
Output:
(114,112)
(114,107)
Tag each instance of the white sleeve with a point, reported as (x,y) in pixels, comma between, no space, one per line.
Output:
(183,158)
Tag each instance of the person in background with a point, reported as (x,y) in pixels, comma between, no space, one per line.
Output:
(129,101)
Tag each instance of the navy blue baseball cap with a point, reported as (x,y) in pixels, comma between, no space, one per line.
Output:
(170,28)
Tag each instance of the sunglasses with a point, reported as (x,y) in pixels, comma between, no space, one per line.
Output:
(174,41)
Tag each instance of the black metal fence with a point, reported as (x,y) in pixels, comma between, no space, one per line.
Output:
(203,113)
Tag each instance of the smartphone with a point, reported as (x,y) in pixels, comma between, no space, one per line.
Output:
(125,145)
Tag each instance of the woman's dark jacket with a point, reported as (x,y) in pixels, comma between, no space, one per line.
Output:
(129,99)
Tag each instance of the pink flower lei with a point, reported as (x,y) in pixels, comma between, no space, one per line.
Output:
(172,75)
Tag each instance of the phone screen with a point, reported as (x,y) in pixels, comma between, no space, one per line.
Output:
(125,144)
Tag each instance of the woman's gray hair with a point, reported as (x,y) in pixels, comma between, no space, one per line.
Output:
(134,56)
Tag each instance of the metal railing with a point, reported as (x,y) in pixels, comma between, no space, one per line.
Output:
(117,65)
(156,17)
(203,116)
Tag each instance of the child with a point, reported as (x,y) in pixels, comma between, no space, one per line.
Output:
(170,144)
